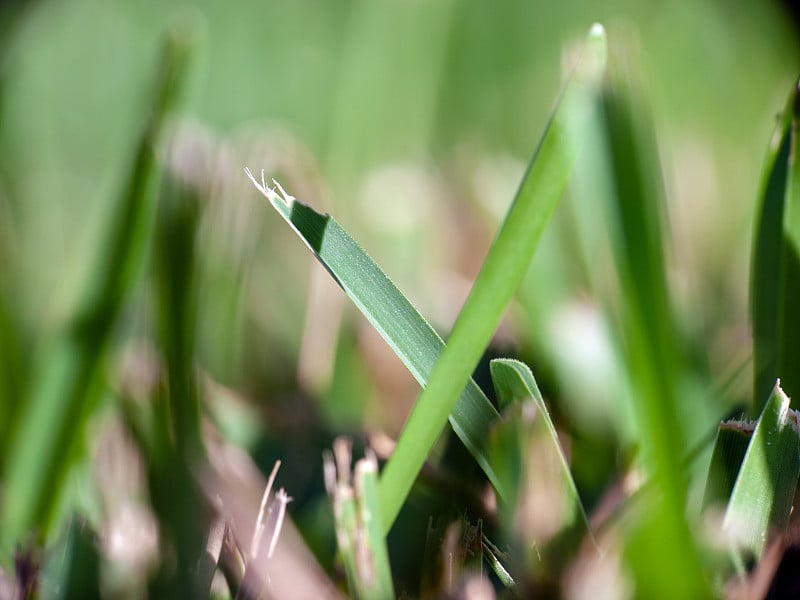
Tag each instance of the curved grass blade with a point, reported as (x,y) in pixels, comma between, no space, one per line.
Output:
(406,331)
(514,382)
(67,381)
(500,275)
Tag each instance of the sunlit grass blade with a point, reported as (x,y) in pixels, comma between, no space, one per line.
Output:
(762,496)
(514,383)
(500,275)
(409,335)
(652,348)
(775,277)
(68,378)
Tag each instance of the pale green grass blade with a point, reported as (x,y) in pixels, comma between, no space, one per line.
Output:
(409,335)
(514,382)
(68,380)
(762,496)
(497,281)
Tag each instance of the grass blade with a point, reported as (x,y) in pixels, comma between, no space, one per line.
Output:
(503,269)
(650,339)
(514,382)
(68,380)
(409,335)
(775,290)
(762,496)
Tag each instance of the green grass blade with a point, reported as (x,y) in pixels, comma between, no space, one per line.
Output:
(762,496)
(503,269)
(409,335)
(789,365)
(650,336)
(175,496)
(176,274)
(768,276)
(514,382)
(67,382)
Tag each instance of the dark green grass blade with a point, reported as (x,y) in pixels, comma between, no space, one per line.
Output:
(67,382)
(503,269)
(775,277)
(410,336)
(176,498)
(733,437)
(649,330)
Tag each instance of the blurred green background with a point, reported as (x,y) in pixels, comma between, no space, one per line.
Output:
(395,116)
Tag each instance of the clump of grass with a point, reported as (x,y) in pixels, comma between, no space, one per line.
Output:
(609,107)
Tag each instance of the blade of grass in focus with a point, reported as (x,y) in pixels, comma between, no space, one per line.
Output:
(775,277)
(503,269)
(68,378)
(649,330)
(406,331)
(762,496)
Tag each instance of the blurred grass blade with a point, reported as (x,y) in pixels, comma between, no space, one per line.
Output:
(359,533)
(775,278)
(650,334)
(183,191)
(762,496)
(730,447)
(176,498)
(500,275)
(67,381)
(514,383)
(409,335)
(14,368)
